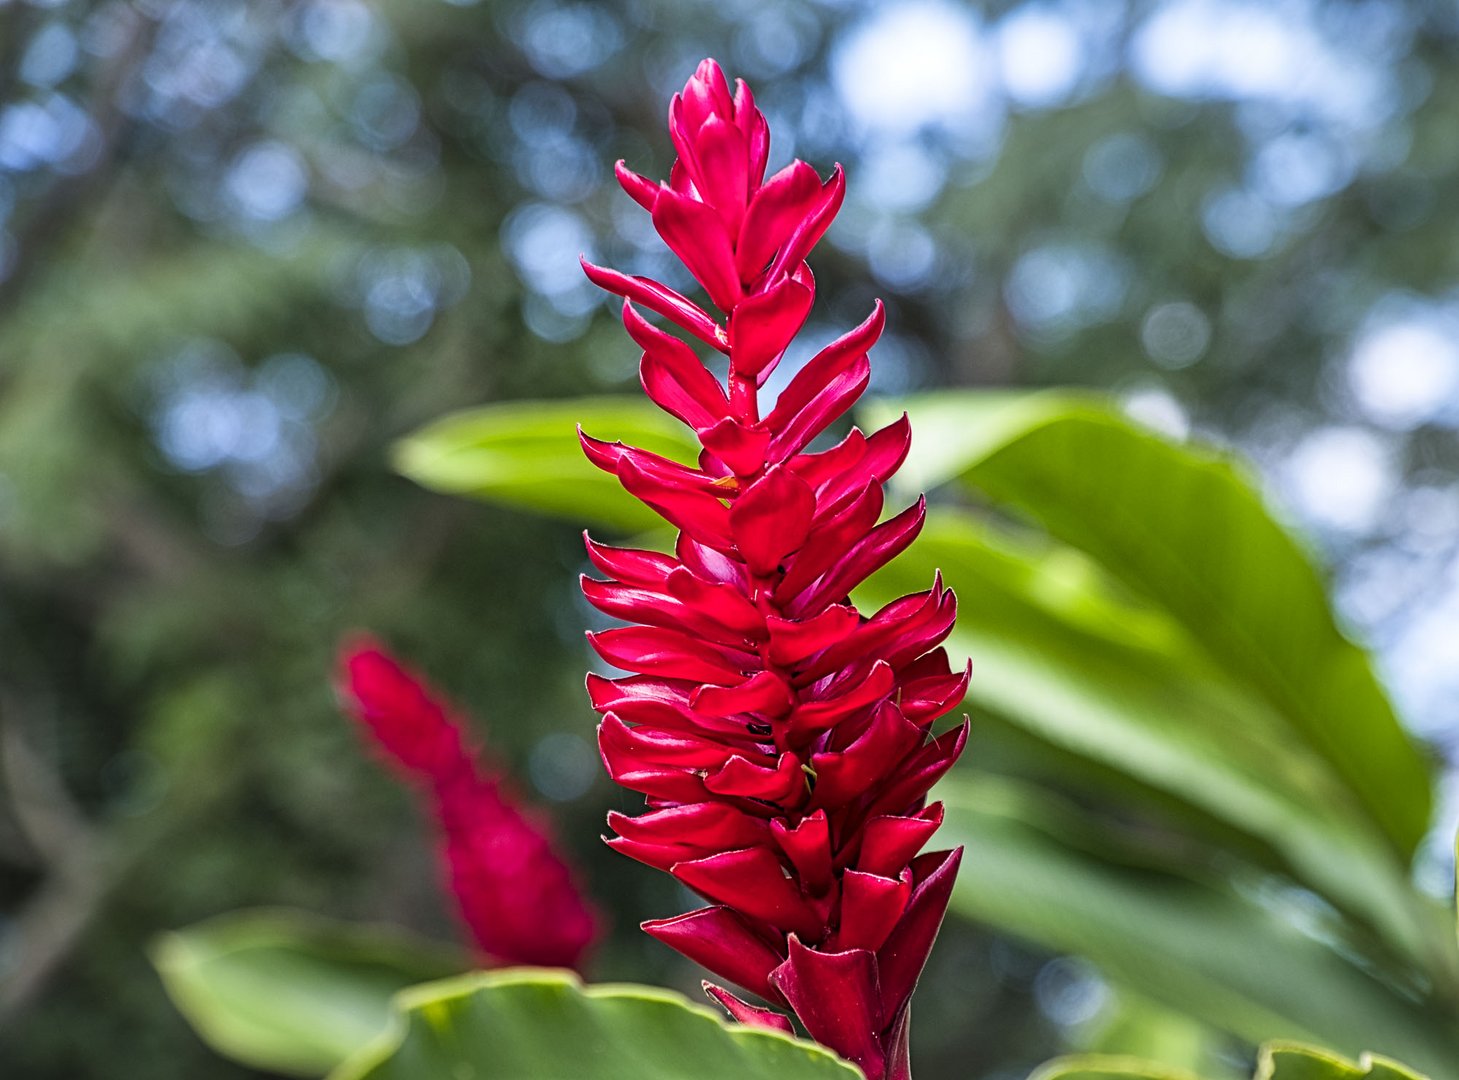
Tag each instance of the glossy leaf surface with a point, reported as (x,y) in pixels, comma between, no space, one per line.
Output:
(1187,530)
(526,1024)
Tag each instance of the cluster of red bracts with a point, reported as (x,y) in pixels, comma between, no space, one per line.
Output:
(781,737)
(516,894)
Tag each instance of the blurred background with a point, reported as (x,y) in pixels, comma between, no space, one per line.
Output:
(246,245)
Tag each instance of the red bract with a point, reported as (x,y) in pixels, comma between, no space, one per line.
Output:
(782,738)
(516,894)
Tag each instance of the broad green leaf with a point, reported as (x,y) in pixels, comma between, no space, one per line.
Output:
(1243,964)
(1278,1061)
(1289,1061)
(288,992)
(545,1025)
(1185,529)
(1292,1061)
(526,454)
(1107,1067)
(1060,650)
(1382,1068)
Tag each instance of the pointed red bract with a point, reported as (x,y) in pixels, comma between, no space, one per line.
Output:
(515,893)
(837,996)
(726,944)
(782,738)
(765,323)
(746,1013)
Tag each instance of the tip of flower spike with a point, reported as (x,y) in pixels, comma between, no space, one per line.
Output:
(406,720)
(710,75)
(357,643)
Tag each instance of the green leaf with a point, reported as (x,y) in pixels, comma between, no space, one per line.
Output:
(1239,960)
(525,454)
(288,992)
(536,1025)
(1382,1068)
(1061,650)
(1278,1061)
(1107,1067)
(1292,1061)
(1185,529)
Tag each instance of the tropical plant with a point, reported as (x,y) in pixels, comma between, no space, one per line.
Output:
(1189,775)
(1133,796)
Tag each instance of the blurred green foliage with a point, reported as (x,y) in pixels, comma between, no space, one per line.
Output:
(245,245)
(1277,1061)
(292,994)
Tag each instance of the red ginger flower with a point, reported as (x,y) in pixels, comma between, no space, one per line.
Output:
(515,893)
(781,737)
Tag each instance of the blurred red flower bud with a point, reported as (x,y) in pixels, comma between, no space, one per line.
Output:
(517,895)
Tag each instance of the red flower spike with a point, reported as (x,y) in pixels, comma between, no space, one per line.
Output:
(515,893)
(782,737)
